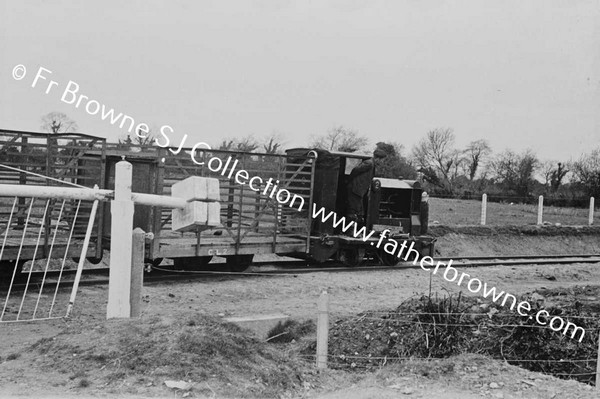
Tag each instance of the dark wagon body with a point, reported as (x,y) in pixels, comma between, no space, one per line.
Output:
(252,221)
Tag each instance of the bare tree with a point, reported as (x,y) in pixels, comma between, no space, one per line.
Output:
(587,172)
(272,143)
(394,165)
(558,175)
(140,138)
(474,155)
(340,138)
(227,144)
(437,158)
(546,168)
(553,173)
(515,171)
(244,144)
(247,144)
(57,122)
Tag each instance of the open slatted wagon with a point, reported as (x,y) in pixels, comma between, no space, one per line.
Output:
(35,228)
(252,222)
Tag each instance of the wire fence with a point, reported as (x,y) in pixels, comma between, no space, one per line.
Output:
(511,211)
(375,339)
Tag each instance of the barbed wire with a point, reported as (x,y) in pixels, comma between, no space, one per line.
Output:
(473,325)
(358,357)
(383,312)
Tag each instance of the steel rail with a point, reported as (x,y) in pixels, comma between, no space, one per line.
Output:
(162,274)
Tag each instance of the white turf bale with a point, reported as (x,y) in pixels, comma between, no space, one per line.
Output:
(196,188)
(214,214)
(202,207)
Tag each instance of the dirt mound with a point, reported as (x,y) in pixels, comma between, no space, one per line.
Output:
(458,377)
(432,327)
(213,357)
(515,240)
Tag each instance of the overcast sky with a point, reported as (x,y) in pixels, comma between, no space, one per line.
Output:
(522,74)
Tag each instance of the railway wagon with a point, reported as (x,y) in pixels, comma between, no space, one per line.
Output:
(38,227)
(266,200)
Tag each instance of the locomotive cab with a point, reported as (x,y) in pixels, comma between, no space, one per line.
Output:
(390,204)
(396,205)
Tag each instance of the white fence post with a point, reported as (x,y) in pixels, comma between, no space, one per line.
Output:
(591,216)
(483,208)
(121,244)
(322,330)
(540,209)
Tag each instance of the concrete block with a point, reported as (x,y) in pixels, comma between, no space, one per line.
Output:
(214,214)
(196,188)
(202,208)
(259,324)
(194,214)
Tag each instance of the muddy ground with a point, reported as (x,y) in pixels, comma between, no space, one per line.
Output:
(79,357)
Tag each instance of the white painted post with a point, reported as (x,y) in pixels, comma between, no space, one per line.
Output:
(137,271)
(121,244)
(483,208)
(591,217)
(540,209)
(322,330)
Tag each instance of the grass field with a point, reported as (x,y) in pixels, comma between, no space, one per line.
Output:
(468,212)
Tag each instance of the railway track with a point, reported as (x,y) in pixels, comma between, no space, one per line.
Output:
(99,276)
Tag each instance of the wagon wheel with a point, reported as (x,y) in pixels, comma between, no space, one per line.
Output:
(192,263)
(351,256)
(7,268)
(239,263)
(388,259)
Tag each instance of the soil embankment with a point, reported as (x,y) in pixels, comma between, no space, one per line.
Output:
(515,240)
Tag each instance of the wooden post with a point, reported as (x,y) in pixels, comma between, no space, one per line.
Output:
(322,330)
(540,209)
(230,199)
(591,217)
(121,245)
(137,271)
(257,206)
(483,208)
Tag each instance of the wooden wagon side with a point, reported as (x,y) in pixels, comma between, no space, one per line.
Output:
(252,220)
(48,160)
